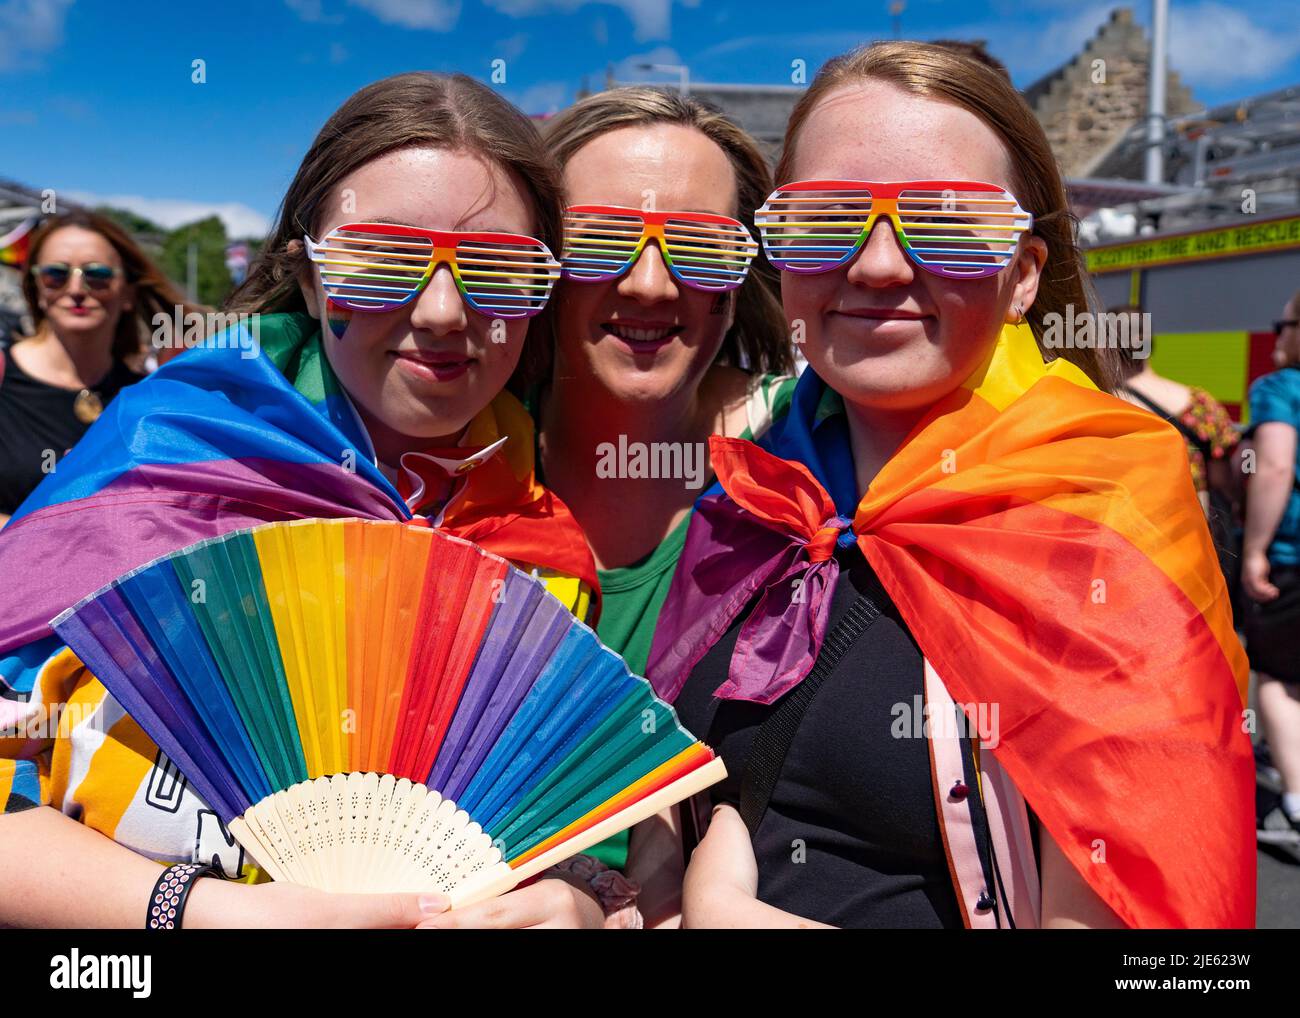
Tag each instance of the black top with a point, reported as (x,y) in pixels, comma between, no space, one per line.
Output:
(35,417)
(850,837)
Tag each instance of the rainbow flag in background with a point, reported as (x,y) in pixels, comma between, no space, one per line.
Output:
(1045,546)
(14,245)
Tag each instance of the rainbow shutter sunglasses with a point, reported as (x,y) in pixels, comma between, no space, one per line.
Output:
(702,250)
(382,266)
(955,228)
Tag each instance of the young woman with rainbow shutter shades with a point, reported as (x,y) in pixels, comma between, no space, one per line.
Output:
(667,330)
(396,410)
(968,660)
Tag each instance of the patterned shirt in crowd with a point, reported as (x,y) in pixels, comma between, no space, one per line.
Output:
(1207,418)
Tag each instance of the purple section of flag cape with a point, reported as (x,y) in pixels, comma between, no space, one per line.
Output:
(735,556)
(59,554)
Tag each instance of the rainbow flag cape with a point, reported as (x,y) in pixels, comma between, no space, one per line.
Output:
(245,431)
(1044,544)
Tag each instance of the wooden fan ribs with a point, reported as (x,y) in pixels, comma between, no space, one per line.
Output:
(424,715)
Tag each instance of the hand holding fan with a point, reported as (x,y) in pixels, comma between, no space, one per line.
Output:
(374,706)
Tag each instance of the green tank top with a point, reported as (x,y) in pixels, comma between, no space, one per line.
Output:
(632,595)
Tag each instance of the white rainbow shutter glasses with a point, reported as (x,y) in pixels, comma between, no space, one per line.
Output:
(383,266)
(702,250)
(959,229)
(952,228)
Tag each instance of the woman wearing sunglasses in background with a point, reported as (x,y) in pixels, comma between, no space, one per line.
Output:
(667,331)
(372,385)
(955,622)
(92,294)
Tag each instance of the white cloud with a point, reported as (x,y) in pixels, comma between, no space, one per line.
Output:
(1214,45)
(1031,48)
(790,44)
(632,69)
(311,11)
(511,47)
(240,220)
(434,15)
(1210,44)
(542,98)
(651,19)
(29,28)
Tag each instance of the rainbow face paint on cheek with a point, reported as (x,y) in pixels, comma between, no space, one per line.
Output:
(338,319)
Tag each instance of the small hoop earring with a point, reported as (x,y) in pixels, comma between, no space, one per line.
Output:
(1020,314)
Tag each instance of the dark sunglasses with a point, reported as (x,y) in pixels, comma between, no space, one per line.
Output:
(55,275)
(1285,323)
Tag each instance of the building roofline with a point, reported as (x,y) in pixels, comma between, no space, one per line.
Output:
(717,86)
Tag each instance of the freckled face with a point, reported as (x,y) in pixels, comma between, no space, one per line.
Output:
(883,331)
(425,369)
(645,336)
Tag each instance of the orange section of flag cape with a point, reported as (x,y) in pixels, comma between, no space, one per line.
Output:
(1045,545)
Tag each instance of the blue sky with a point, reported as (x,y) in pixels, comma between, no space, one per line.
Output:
(96,97)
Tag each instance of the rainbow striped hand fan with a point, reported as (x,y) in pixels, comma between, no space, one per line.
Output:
(373,706)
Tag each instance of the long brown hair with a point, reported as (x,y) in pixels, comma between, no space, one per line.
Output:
(759,336)
(154,292)
(449,111)
(946,75)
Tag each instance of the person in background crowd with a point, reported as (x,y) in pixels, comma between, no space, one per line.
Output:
(1270,573)
(1211,438)
(1199,417)
(92,294)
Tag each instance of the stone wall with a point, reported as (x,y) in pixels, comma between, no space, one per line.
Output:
(1085,118)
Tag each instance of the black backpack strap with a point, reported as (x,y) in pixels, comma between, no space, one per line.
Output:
(772,742)
(994,887)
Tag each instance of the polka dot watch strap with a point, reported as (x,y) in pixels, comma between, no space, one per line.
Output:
(168,899)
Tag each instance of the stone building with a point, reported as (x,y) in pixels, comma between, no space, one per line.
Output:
(1087,106)
(1090,103)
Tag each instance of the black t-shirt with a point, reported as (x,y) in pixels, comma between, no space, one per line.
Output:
(35,417)
(850,836)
